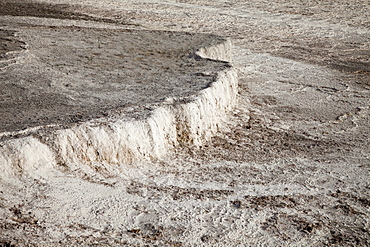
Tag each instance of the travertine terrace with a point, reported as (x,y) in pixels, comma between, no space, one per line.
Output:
(184,123)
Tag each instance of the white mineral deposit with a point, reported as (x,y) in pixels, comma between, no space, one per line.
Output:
(184,123)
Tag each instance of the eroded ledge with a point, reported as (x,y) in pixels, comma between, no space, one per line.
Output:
(131,134)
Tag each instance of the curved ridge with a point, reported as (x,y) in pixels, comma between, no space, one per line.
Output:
(106,144)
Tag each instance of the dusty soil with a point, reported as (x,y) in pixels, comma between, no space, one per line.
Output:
(49,10)
(8,43)
(291,167)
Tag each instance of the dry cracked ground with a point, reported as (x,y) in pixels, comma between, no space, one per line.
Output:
(291,167)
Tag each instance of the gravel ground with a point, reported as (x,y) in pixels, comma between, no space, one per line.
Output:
(291,167)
